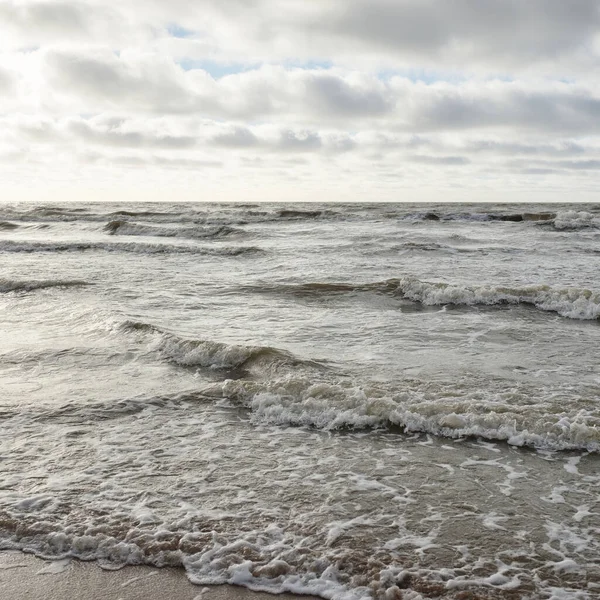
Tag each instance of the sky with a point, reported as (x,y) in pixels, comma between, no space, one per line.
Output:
(300,100)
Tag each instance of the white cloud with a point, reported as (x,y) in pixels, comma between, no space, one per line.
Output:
(325,93)
(97,80)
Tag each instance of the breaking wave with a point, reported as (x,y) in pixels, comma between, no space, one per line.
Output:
(560,220)
(239,360)
(573,303)
(129,228)
(479,409)
(477,216)
(282,389)
(9,285)
(141,248)
(575,220)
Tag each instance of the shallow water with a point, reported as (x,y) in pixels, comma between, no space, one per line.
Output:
(340,400)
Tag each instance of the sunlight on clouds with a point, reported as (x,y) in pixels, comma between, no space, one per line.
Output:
(230,99)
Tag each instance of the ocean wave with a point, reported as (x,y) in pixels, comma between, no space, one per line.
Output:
(476,216)
(239,360)
(573,303)
(141,248)
(128,228)
(445,410)
(267,558)
(280,388)
(141,213)
(7,226)
(11,285)
(302,214)
(575,220)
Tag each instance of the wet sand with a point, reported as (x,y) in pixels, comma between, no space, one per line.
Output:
(25,577)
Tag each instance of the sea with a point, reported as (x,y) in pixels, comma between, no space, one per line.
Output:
(351,401)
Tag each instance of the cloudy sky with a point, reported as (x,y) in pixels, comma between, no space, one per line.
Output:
(385,100)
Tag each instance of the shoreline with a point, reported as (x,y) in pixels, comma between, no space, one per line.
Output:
(27,577)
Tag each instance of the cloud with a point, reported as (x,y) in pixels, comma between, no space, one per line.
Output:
(340,93)
(562,148)
(330,94)
(7,81)
(499,33)
(27,24)
(101,78)
(236,137)
(98,80)
(493,36)
(116,135)
(299,141)
(440,160)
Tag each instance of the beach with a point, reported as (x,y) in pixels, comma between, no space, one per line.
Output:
(24,577)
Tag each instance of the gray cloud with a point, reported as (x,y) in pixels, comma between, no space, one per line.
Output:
(105,78)
(560,108)
(440,160)
(59,17)
(7,81)
(130,160)
(502,32)
(239,137)
(146,83)
(568,148)
(332,95)
(556,165)
(116,136)
(299,141)
(495,35)
(585,165)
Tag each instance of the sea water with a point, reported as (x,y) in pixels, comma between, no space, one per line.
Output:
(351,401)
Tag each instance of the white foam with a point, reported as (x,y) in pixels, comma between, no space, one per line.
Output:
(334,405)
(576,219)
(574,303)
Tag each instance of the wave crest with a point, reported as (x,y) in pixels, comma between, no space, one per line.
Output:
(7,226)
(575,220)
(10,285)
(210,354)
(122,227)
(414,406)
(573,303)
(141,248)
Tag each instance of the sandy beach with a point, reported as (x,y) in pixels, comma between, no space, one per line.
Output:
(25,577)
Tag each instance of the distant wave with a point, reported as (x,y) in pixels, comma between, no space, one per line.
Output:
(561,220)
(7,226)
(474,216)
(431,246)
(141,213)
(236,214)
(128,228)
(141,248)
(11,285)
(289,213)
(573,303)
